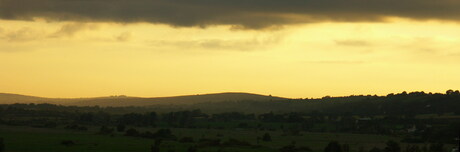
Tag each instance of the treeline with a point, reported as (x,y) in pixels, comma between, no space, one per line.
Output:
(415,130)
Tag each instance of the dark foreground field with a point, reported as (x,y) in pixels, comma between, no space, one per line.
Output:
(26,139)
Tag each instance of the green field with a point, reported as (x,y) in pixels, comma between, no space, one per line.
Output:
(26,139)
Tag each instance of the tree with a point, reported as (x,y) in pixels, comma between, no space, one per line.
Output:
(333,146)
(152,118)
(392,146)
(267,137)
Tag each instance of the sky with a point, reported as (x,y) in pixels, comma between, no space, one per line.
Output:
(288,48)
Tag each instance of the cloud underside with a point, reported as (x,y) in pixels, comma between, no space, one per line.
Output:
(252,14)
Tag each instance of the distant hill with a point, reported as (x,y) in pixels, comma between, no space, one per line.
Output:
(120,101)
(6,98)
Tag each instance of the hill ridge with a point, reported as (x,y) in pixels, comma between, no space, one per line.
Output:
(122,100)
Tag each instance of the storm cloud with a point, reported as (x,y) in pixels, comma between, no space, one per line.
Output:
(252,14)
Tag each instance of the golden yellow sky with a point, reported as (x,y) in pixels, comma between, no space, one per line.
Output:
(87,59)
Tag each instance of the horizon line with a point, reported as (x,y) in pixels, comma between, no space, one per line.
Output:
(228,92)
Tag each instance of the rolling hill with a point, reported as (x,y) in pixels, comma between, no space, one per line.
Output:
(120,101)
(7,98)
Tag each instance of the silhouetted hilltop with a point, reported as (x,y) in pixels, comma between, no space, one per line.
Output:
(7,98)
(119,101)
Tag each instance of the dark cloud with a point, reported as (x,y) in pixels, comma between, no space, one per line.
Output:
(239,13)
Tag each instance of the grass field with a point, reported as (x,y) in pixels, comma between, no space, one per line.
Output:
(26,139)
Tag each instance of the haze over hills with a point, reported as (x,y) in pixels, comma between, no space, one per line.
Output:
(119,101)
(8,98)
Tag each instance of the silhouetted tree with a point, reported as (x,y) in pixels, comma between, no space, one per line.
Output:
(152,118)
